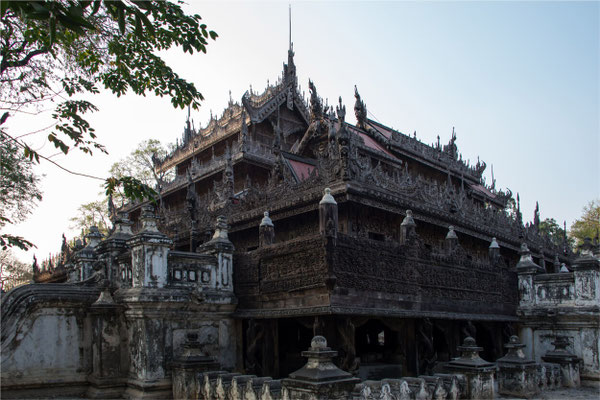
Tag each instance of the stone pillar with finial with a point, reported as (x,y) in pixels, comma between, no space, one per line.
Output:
(407,227)
(222,249)
(586,272)
(149,252)
(526,269)
(105,379)
(479,373)
(569,362)
(517,374)
(494,250)
(328,215)
(88,255)
(319,378)
(266,231)
(115,245)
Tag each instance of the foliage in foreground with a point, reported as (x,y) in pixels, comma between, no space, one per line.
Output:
(55,54)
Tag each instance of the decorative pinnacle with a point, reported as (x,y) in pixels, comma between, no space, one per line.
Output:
(266,221)
(318,343)
(494,244)
(451,234)
(408,220)
(327,197)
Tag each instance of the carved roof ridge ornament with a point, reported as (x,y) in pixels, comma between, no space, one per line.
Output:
(360,110)
(316,104)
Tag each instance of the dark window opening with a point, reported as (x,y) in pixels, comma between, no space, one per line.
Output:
(377,236)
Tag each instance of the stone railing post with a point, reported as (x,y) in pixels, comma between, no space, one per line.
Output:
(105,378)
(149,252)
(517,375)
(569,362)
(478,372)
(266,231)
(114,245)
(586,271)
(526,269)
(319,378)
(222,249)
(188,369)
(86,257)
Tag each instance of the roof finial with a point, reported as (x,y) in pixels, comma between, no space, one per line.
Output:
(290,18)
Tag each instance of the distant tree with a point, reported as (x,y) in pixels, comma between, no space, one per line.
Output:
(13,272)
(55,54)
(549,227)
(588,225)
(19,191)
(141,164)
(90,214)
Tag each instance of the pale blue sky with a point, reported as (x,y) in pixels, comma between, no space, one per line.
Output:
(519,81)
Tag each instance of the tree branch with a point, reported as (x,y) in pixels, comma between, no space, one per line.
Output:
(21,63)
(53,162)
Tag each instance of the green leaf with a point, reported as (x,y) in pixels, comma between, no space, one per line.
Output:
(96,6)
(52,30)
(121,17)
(138,26)
(213,35)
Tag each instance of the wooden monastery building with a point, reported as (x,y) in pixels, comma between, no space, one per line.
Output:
(419,254)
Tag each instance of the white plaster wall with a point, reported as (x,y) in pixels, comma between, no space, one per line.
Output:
(590,340)
(46,350)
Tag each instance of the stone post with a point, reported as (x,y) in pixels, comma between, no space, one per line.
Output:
(222,249)
(494,250)
(266,231)
(517,375)
(149,252)
(86,256)
(526,269)
(586,271)
(451,239)
(188,368)
(478,372)
(105,378)
(328,215)
(569,362)
(319,378)
(407,227)
(113,246)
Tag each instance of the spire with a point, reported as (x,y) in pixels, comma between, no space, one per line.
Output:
(536,215)
(289,69)
(187,131)
(519,215)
